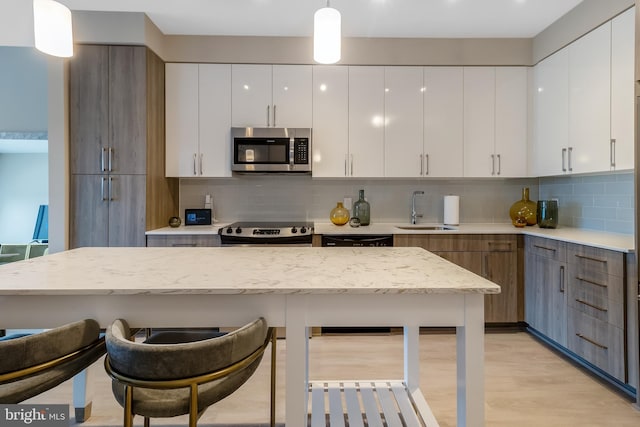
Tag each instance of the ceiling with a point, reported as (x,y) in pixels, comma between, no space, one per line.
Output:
(360,18)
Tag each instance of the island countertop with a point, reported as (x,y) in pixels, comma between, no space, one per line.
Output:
(241,270)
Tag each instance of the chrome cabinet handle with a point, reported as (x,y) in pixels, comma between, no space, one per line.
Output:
(544,247)
(486,266)
(493,164)
(111,189)
(582,279)
(603,261)
(421,165)
(499,164)
(103,179)
(274,115)
(110,159)
(612,153)
(564,153)
(351,164)
(570,167)
(195,171)
(562,278)
(268,114)
(201,155)
(427,168)
(102,166)
(345,164)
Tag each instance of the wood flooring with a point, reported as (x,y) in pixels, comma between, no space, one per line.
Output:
(527,384)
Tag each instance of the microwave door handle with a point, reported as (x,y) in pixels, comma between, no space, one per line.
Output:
(292,143)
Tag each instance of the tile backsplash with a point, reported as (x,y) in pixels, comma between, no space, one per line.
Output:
(278,197)
(597,202)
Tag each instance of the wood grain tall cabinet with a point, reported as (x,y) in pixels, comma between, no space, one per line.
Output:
(116,111)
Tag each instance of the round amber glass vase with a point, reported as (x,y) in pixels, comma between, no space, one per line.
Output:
(339,215)
(523,212)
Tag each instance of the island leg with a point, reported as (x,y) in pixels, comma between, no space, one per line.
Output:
(82,395)
(297,362)
(470,363)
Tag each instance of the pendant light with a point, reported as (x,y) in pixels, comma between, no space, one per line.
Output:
(326,35)
(52,28)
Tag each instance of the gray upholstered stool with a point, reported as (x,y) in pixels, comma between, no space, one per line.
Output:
(32,364)
(165,378)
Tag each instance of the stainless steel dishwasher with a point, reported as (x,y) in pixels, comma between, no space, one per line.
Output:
(335,240)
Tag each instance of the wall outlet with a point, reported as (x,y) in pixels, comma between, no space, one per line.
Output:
(557,201)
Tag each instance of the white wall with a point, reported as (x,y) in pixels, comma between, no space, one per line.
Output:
(23,188)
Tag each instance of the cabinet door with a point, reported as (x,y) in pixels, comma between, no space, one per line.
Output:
(443,121)
(471,261)
(127,109)
(330,139)
(589,101)
(545,296)
(622,90)
(88,109)
(511,122)
(89,211)
(291,106)
(403,148)
(551,114)
(251,95)
(501,268)
(214,113)
(127,210)
(366,121)
(479,121)
(181,100)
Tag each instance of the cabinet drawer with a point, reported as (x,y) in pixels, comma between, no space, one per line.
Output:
(598,342)
(459,242)
(183,241)
(547,248)
(592,260)
(597,297)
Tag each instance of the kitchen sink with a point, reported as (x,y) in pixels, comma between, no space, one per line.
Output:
(425,227)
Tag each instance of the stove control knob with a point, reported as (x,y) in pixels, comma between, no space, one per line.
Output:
(294,230)
(238,230)
(229,230)
(303,230)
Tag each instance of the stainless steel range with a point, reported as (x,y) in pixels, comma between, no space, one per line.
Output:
(267,233)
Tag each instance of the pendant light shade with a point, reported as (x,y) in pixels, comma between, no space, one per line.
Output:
(52,28)
(326,35)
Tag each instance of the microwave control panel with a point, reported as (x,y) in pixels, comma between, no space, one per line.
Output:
(301,151)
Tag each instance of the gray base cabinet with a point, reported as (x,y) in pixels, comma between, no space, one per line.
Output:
(575,296)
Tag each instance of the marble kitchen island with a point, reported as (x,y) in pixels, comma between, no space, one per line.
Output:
(292,287)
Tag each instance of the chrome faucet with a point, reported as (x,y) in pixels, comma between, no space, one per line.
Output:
(414,214)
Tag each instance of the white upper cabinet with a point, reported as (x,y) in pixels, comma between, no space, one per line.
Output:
(479,121)
(181,100)
(622,90)
(215,120)
(271,95)
(443,122)
(403,105)
(551,115)
(589,102)
(198,120)
(366,122)
(511,122)
(330,138)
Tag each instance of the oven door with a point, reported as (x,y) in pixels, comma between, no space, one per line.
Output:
(231,240)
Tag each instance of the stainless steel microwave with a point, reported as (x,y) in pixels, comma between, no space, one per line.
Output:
(271,149)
